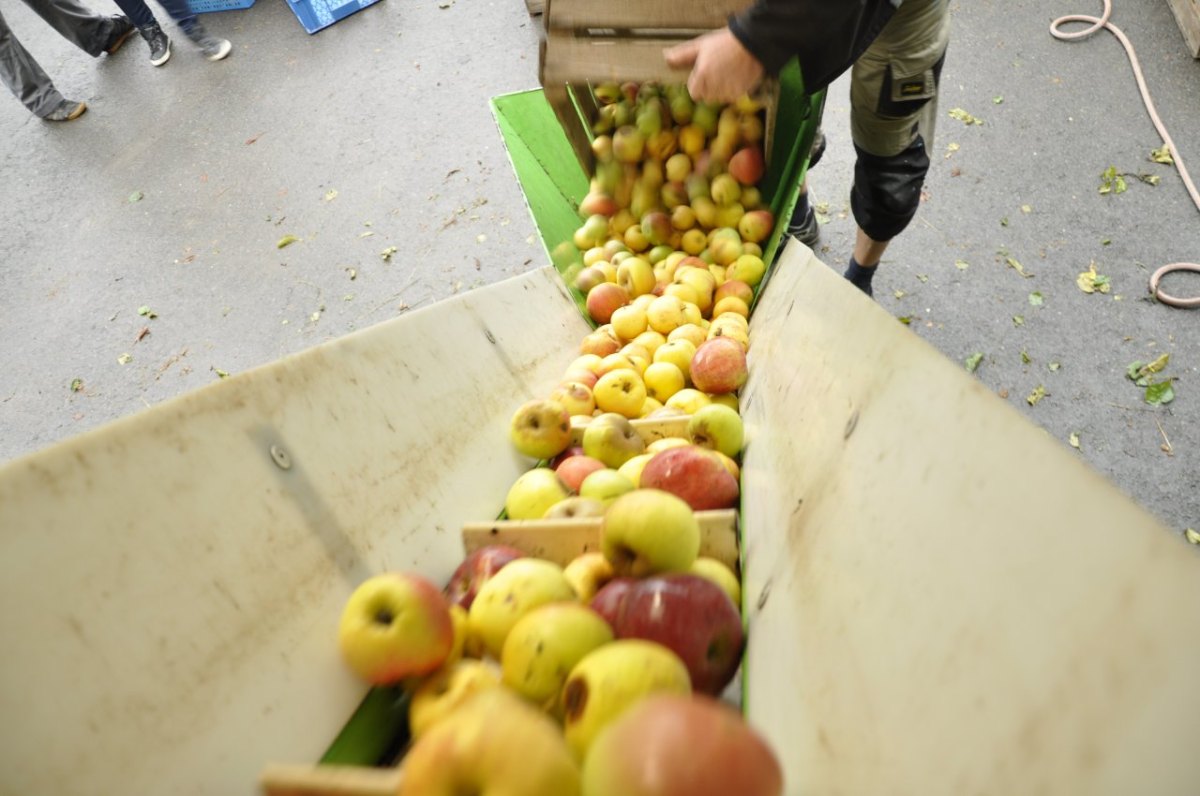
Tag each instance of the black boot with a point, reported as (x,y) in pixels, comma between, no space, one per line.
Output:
(160,45)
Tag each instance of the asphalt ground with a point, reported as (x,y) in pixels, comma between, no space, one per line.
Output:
(173,194)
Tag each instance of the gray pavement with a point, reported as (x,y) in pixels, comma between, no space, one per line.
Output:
(389,109)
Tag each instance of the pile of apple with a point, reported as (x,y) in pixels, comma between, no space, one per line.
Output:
(603,677)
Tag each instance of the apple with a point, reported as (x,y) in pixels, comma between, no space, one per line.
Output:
(730,332)
(575,397)
(725,189)
(610,679)
(533,493)
(729,399)
(688,400)
(717,427)
(575,469)
(663,379)
(612,439)
(632,469)
(748,268)
(691,473)
(540,429)
(746,166)
(544,647)
(665,443)
(620,391)
(628,144)
(720,574)
(446,690)
(665,314)
(613,362)
(691,616)
(650,340)
(694,333)
(718,366)
(458,617)
(677,352)
(395,626)
(670,745)
(629,321)
(693,241)
(650,530)
(574,450)
(600,342)
(604,299)
(474,571)
(574,507)
(514,591)
(755,226)
(731,304)
(734,288)
(606,485)
(729,463)
(635,275)
(587,573)
(649,407)
(471,751)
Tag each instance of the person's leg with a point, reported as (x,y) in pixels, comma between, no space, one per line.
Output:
(189,22)
(29,83)
(91,32)
(143,18)
(893,107)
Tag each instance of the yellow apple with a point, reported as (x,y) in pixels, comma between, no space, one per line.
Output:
(540,429)
(585,362)
(609,270)
(693,241)
(726,399)
(747,268)
(682,291)
(689,400)
(621,391)
(395,626)
(575,397)
(543,648)
(612,439)
(458,617)
(665,443)
(650,340)
(612,678)
(533,493)
(663,379)
(649,407)
(691,314)
(636,275)
(511,593)
(628,321)
(720,574)
(677,352)
(694,333)
(665,314)
(472,751)
(632,469)
(587,573)
(643,301)
(617,361)
(647,531)
(446,690)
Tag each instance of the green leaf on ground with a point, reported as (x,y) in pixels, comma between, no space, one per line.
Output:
(1039,392)
(220,373)
(964,117)
(923,277)
(1140,372)
(387,253)
(1035,299)
(1162,155)
(1004,221)
(136,196)
(905,319)
(1111,181)
(1106,242)
(331,194)
(76,385)
(1191,535)
(146,312)
(997,100)
(1150,179)
(1073,439)
(125,359)
(1090,282)
(1014,264)
(1025,357)
(962,265)
(972,362)
(1018,320)
(899,294)
(951,148)
(1053,366)
(286,240)
(1160,392)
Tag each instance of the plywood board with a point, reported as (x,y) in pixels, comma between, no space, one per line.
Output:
(941,598)
(171,583)
(1187,14)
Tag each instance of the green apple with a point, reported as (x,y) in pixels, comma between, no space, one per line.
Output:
(647,531)
(718,428)
(510,594)
(612,678)
(494,744)
(606,485)
(612,439)
(545,645)
(533,493)
(446,690)
(395,626)
(632,469)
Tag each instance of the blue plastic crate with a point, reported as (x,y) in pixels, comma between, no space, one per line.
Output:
(316,15)
(208,6)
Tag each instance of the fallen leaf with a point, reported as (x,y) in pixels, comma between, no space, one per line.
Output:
(1160,392)
(951,149)
(923,277)
(1191,535)
(1039,392)
(76,385)
(125,359)
(961,265)
(252,139)
(1073,439)
(1018,320)
(1053,366)
(286,240)
(1150,179)
(220,373)
(899,294)
(1004,221)
(1111,181)
(1026,209)
(136,196)
(997,100)
(146,312)
(387,253)
(972,362)
(366,234)
(353,273)
(1014,264)
(963,116)
(1035,299)
(1089,281)
(142,333)
(1025,357)
(316,316)
(1162,155)
(956,172)
(1003,393)
(331,194)
(1106,242)
(905,319)
(1140,372)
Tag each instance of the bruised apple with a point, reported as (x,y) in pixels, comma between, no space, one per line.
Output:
(718,366)
(693,474)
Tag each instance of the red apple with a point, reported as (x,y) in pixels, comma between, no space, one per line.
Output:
(608,599)
(689,615)
(576,468)
(718,366)
(693,474)
(604,299)
(674,745)
(475,570)
(574,450)
(746,165)
(734,288)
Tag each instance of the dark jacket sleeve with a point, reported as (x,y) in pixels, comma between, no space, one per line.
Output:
(827,36)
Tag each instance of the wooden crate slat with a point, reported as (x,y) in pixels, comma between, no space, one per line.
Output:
(287,779)
(651,428)
(561,540)
(644,13)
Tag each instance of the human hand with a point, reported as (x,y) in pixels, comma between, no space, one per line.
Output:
(722,69)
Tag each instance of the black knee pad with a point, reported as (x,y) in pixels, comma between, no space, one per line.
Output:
(887,190)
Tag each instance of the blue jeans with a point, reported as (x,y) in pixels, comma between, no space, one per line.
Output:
(141,16)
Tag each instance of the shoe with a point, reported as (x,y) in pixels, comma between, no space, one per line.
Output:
(160,45)
(818,148)
(806,230)
(123,29)
(213,48)
(66,111)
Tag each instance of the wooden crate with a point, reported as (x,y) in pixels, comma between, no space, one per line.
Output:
(1187,14)
(587,43)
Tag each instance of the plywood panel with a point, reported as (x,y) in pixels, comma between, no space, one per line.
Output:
(941,598)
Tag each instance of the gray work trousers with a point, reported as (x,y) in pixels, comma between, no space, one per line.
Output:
(25,78)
